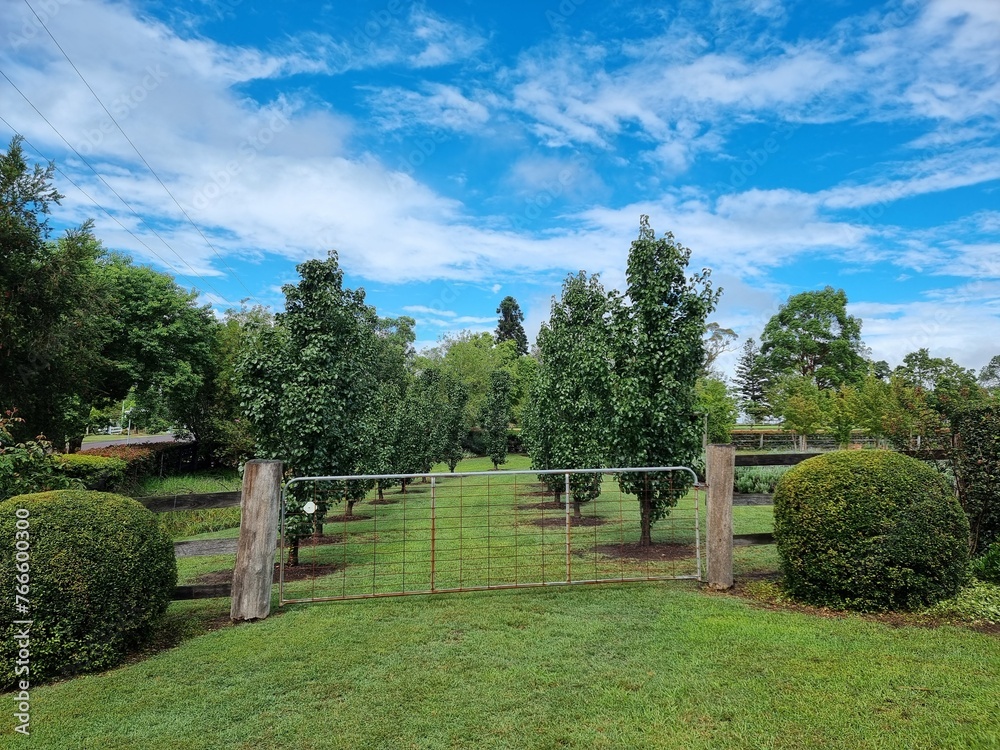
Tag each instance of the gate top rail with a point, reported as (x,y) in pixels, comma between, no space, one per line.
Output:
(506,473)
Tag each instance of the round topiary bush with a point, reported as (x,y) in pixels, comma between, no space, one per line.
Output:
(869,530)
(98,573)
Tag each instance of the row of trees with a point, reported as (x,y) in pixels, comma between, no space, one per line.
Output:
(617,375)
(82,329)
(812,371)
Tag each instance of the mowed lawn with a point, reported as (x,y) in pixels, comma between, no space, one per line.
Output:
(637,665)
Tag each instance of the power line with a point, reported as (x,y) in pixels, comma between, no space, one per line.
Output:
(139,154)
(101,178)
(94,201)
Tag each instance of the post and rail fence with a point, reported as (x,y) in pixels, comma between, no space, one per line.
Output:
(262,525)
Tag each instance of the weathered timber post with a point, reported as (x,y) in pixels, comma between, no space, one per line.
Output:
(254,571)
(720,463)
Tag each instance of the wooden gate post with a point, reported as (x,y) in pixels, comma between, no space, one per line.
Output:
(720,463)
(254,571)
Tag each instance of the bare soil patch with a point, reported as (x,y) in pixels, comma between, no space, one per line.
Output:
(659,552)
(347,519)
(573,521)
(302,572)
(550,505)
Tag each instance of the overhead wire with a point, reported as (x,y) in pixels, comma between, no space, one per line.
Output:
(166,244)
(139,153)
(111,216)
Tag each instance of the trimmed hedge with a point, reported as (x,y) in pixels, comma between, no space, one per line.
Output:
(97,472)
(976,459)
(100,573)
(871,531)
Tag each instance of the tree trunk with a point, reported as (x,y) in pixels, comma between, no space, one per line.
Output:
(402,486)
(350,508)
(381,496)
(646,519)
(293,553)
(318,525)
(577,509)
(74,444)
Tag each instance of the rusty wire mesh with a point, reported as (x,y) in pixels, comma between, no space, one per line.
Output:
(486,530)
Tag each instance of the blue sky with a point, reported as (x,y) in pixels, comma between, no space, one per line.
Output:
(454,153)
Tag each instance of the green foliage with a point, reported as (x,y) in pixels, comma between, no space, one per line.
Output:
(658,352)
(309,387)
(986,567)
(510,327)
(976,604)
(989,376)
(839,410)
(976,460)
(471,358)
(757,480)
(752,383)
(948,387)
(715,400)
(572,396)
(496,416)
(869,530)
(718,341)
(813,336)
(101,573)
(799,403)
(28,466)
(92,470)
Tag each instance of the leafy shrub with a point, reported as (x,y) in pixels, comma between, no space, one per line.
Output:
(101,573)
(977,470)
(869,530)
(97,472)
(757,480)
(986,567)
(977,604)
(148,460)
(28,466)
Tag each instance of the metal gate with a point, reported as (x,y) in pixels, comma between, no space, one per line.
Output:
(438,533)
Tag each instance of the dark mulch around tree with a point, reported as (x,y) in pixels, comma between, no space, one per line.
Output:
(661,551)
(573,521)
(347,519)
(383,501)
(301,572)
(550,505)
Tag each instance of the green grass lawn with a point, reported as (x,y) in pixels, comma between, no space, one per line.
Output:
(638,665)
(652,665)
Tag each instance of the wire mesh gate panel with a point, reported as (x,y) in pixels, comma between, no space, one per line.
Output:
(438,533)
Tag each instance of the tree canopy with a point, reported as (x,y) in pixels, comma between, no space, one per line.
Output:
(812,335)
(658,353)
(510,326)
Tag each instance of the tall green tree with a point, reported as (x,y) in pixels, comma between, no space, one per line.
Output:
(989,376)
(574,386)
(813,336)
(752,382)
(717,404)
(496,416)
(718,341)
(658,350)
(799,403)
(162,344)
(949,386)
(510,327)
(308,385)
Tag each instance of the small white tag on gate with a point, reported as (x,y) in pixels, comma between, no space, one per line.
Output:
(309,508)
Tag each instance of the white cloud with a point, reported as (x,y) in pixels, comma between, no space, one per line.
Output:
(437,105)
